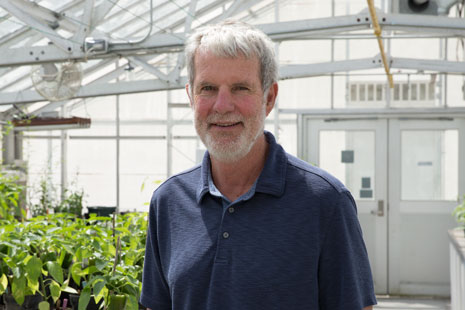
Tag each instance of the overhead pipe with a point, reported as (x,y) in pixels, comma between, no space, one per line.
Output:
(377,29)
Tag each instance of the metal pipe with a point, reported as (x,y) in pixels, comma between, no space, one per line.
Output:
(377,30)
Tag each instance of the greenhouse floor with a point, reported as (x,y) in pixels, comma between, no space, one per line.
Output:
(401,303)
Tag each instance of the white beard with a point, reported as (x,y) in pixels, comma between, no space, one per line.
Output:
(231,148)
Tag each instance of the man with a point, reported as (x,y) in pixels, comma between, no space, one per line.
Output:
(252,227)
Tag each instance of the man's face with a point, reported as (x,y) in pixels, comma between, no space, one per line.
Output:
(229,107)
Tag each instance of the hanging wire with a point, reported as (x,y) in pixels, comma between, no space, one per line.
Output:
(150,29)
(165,30)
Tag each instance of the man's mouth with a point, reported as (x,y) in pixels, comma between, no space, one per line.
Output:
(225,125)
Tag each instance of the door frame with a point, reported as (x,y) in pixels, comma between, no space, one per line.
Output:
(392,120)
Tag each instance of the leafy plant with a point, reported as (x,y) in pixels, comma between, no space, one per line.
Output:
(97,258)
(72,203)
(116,269)
(459,212)
(46,201)
(32,260)
(11,193)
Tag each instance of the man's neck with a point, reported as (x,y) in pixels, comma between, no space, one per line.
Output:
(236,178)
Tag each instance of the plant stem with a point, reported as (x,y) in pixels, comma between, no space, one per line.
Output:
(118,245)
(42,285)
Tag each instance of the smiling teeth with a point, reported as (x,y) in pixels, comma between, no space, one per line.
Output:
(224,125)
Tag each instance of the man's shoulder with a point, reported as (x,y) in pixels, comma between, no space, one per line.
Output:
(312,175)
(186,180)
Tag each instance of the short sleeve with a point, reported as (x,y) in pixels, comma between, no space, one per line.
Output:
(344,274)
(155,292)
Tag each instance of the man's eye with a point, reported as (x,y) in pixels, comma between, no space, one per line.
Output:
(241,88)
(207,88)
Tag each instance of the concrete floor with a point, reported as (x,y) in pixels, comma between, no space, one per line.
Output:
(400,303)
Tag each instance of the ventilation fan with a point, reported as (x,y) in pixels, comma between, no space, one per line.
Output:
(57,82)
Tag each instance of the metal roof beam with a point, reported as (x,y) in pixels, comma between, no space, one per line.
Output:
(87,22)
(149,68)
(98,89)
(318,69)
(286,72)
(34,17)
(441,66)
(440,25)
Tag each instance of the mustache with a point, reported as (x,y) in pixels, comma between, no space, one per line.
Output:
(225,118)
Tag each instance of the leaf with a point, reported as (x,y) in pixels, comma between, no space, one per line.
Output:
(62,257)
(3,283)
(33,269)
(33,286)
(55,290)
(84,299)
(18,288)
(69,290)
(98,285)
(76,273)
(132,303)
(44,305)
(16,271)
(100,264)
(55,271)
(102,294)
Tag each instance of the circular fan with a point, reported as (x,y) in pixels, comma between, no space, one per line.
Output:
(57,82)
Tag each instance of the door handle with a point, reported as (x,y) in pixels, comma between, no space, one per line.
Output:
(380,210)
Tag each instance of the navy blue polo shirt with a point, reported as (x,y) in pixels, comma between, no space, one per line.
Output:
(292,242)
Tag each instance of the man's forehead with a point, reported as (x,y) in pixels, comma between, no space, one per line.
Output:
(205,61)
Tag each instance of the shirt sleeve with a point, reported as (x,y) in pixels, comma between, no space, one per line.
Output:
(155,291)
(344,274)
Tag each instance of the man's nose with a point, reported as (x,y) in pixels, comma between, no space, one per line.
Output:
(224,102)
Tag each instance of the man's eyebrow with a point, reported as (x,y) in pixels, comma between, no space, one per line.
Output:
(205,83)
(243,83)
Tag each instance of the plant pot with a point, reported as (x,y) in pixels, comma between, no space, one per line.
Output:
(102,210)
(31,302)
(117,302)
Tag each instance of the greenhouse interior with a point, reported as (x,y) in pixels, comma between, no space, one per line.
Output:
(95,117)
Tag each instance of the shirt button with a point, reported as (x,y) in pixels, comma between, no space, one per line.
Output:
(225,235)
(231,210)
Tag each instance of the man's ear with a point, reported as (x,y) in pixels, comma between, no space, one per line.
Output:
(271,97)
(191,103)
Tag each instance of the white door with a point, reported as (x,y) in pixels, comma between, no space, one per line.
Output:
(426,177)
(405,176)
(355,152)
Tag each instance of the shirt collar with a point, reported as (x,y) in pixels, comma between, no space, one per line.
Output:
(272,179)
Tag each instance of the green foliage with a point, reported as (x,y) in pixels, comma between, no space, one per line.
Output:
(10,197)
(459,212)
(72,203)
(47,199)
(59,253)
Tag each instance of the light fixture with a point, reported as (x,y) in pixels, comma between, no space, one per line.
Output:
(51,123)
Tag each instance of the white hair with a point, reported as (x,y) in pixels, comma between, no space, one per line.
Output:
(234,39)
